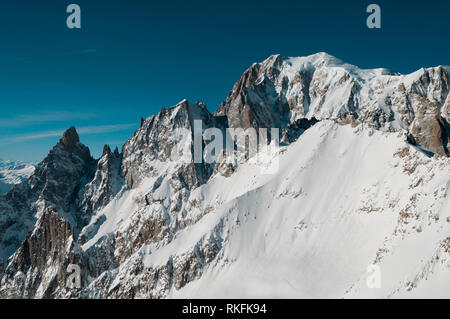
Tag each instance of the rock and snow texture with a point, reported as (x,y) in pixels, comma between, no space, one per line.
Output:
(363,182)
(343,199)
(280,91)
(13,173)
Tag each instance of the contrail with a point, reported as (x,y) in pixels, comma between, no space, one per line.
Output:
(54,56)
(81,52)
(86,130)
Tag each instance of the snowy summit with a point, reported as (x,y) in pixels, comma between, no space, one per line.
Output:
(358,207)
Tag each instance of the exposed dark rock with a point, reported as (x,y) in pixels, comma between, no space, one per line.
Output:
(42,221)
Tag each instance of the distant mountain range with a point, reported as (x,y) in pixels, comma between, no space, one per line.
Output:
(361,189)
(12,173)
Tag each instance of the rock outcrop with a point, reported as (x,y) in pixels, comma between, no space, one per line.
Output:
(148,221)
(279,91)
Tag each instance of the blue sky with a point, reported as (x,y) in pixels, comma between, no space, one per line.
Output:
(132,57)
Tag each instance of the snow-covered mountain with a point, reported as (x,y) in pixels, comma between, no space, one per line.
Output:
(12,173)
(280,91)
(361,187)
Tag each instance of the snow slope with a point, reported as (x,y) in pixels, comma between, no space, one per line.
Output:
(335,208)
(343,199)
(361,192)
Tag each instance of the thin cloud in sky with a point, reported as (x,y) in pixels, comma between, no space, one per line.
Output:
(105,128)
(86,130)
(46,117)
(81,52)
(53,55)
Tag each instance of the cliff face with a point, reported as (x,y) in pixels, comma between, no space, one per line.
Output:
(280,90)
(148,222)
(106,183)
(164,138)
(39,266)
(55,184)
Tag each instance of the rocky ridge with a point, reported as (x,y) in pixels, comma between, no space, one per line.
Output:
(113,214)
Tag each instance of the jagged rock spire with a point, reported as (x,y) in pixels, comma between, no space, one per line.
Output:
(106,150)
(70,137)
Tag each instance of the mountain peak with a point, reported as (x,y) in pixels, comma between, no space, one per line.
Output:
(70,142)
(106,150)
(322,55)
(70,137)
